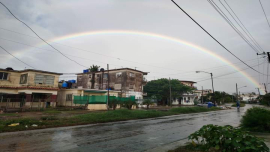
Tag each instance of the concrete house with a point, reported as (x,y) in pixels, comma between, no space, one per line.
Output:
(187,98)
(124,82)
(28,88)
(128,82)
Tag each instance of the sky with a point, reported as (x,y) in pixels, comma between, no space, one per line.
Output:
(153,36)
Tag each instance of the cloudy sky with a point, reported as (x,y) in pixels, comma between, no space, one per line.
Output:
(150,35)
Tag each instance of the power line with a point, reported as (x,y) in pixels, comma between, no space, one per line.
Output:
(40,37)
(229,73)
(225,17)
(214,38)
(264,13)
(251,37)
(16,57)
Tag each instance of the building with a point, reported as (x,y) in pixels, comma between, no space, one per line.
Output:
(28,88)
(124,82)
(248,97)
(187,98)
(204,92)
(128,82)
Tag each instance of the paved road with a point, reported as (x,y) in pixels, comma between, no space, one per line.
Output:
(134,135)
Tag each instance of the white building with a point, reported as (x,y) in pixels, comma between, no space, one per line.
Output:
(187,98)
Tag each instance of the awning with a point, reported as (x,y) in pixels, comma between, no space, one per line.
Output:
(95,91)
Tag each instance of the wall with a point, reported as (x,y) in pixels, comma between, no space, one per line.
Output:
(117,83)
(31,79)
(61,96)
(13,79)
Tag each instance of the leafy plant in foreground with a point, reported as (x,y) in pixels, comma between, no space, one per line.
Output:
(227,138)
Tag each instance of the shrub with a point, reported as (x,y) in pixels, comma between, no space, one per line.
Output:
(128,104)
(256,119)
(227,138)
(147,102)
(113,103)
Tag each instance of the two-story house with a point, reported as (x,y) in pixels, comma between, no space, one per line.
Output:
(28,88)
(187,98)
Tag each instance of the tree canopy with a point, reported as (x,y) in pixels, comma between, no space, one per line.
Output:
(160,88)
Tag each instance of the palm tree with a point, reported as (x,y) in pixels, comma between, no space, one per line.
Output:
(93,69)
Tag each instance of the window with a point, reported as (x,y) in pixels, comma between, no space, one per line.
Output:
(105,76)
(23,79)
(3,76)
(49,80)
(119,74)
(69,97)
(131,86)
(131,74)
(39,79)
(44,79)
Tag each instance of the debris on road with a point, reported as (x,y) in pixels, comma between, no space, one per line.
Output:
(14,124)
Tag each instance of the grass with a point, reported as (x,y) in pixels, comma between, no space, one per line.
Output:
(89,118)
(256,119)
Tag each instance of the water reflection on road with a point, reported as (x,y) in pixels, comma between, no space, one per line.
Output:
(135,135)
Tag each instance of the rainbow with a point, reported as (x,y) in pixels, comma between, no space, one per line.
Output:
(158,36)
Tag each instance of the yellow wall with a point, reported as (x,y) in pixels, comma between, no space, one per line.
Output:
(61,96)
(14,79)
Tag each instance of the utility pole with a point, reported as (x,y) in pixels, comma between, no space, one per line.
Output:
(265,88)
(108,83)
(259,91)
(213,88)
(202,94)
(170,91)
(236,93)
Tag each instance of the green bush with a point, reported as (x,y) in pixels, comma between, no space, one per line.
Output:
(147,102)
(128,104)
(256,119)
(113,103)
(227,138)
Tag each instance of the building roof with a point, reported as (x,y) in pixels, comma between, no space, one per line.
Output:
(95,91)
(30,87)
(187,81)
(105,71)
(30,70)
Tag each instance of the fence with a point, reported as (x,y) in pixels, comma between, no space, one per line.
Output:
(99,99)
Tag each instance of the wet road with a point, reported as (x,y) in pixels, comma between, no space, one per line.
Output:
(134,135)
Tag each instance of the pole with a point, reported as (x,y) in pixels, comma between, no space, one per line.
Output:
(259,91)
(213,88)
(202,94)
(265,88)
(236,93)
(108,83)
(170,91)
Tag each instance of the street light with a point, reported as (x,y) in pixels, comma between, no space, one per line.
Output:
(239,89)
(212,82)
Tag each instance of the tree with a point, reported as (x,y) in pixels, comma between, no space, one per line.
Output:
(147,102)
(113,103)
(93,69)
(161,90)
(128,104)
